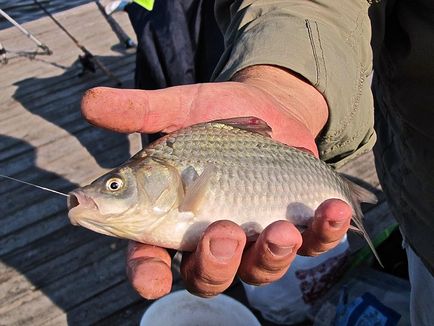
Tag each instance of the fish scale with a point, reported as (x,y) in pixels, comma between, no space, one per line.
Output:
(251,163)
(168,193)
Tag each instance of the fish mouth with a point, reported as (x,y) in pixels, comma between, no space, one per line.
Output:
(78,203)
(84,211)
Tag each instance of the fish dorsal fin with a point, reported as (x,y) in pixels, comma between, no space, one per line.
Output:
(164,189)
(252,124)
(196,190)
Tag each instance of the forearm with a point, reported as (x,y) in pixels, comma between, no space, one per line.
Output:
(326,42)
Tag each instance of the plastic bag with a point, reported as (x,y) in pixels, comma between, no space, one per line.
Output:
(288,300)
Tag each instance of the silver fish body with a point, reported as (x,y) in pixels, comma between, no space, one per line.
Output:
(169,192)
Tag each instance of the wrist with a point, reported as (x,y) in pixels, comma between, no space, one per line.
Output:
(297,97)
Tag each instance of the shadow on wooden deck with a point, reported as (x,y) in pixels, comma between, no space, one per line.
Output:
(49,264)
(51,90)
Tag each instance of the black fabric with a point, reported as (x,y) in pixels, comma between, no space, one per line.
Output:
(178,43)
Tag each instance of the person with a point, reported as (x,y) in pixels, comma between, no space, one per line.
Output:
(303,67)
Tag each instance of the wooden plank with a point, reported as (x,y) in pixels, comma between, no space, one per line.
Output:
(20,206)
(22,166)
(43,250)
(47,266)
(75,20)
(91,23)
(19,285)
(68,67)
(70,92)
(70,73)
(108,148)
(47,87)
(111,151)
(36,231)
(129,316)
(24,11)
(84,284)
(33,113)
(117,298)
(80,22)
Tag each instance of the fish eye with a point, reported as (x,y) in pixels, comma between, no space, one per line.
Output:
(114,184)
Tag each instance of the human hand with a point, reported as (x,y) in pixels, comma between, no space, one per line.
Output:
(294,110)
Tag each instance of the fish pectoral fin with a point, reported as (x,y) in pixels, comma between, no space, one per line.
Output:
(188,176)
(252,124)
(195,192)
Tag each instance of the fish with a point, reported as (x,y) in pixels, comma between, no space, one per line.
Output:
(169,192)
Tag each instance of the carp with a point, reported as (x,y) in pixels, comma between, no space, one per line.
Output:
(169,192)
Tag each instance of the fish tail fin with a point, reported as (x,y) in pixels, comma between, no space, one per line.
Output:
(361,195)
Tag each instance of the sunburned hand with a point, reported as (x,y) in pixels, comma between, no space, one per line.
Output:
(294,110)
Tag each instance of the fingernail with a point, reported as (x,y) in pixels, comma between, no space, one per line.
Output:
(336,224)
(278,250)
(223,248)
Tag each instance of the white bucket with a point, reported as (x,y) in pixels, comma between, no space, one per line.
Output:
(181,308)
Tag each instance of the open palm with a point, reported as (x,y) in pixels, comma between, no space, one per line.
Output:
(294,110)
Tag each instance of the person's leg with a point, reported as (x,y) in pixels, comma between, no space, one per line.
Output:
(422,291)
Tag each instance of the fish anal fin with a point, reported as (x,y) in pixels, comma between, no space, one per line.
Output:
(361,195)
(359,228)
(356,229)
(195,192)
(252,124)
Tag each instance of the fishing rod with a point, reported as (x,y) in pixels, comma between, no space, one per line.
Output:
(88,61)
(117,29)
(25,32)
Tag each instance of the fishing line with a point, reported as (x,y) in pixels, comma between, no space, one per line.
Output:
(34,185)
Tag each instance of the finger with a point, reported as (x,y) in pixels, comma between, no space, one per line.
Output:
(148,269)
(128,110)
(269,258)
(212,267)
(169,109)
(330,224)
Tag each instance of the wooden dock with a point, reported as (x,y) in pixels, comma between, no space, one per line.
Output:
(52,273)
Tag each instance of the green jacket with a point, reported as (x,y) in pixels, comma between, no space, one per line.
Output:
(329,43)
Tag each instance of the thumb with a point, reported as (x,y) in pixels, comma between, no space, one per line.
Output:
(129,110)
